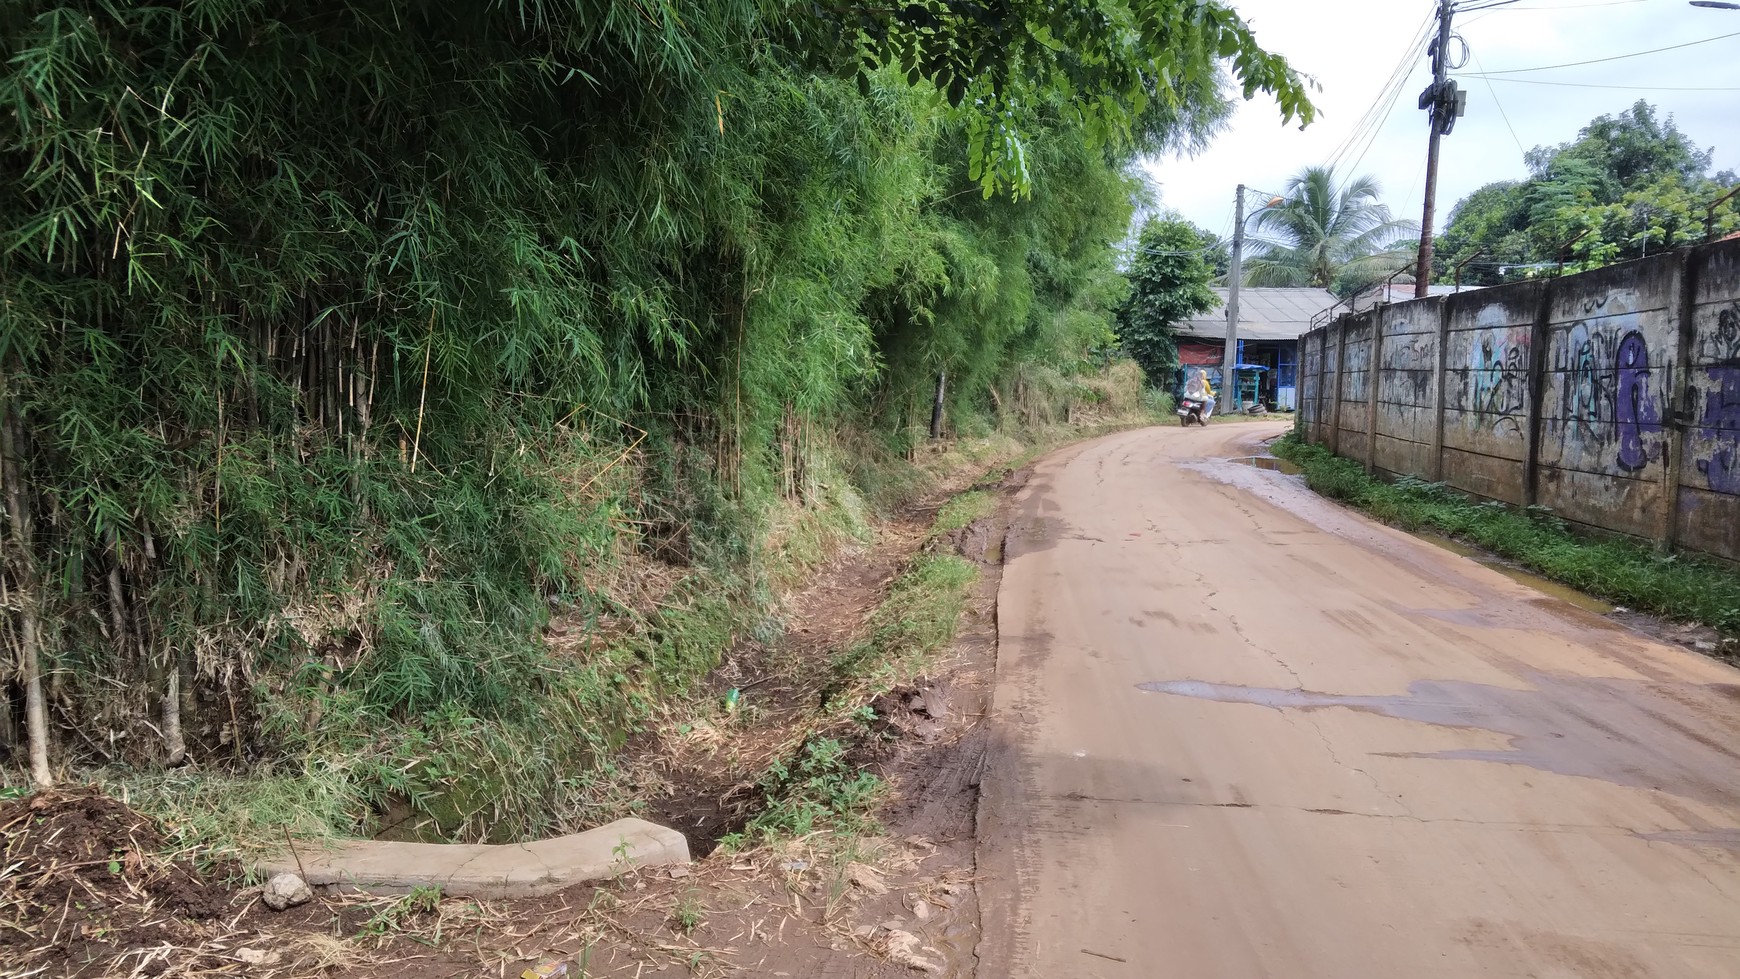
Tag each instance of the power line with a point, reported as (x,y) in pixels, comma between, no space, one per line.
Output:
(1397,77)
(1370,137)
(1386,93)
(1501,113)
(1622,88)
(1375,133)
(1463,9)
(1617,57)
(1582,6)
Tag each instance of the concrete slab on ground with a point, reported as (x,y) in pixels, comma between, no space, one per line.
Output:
(486,871)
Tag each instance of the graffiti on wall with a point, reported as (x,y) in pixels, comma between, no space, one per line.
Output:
(1719,423)
(1493,381)
(1636,413)
(1409,369)
(1498,367)
(1607,387)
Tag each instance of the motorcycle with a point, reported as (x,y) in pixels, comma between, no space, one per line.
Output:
(1191,410)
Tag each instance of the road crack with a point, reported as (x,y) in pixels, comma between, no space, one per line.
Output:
(1299,684)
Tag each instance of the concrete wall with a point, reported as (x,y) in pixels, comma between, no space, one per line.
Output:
(1488,350)
(1407,387)
(1560,393)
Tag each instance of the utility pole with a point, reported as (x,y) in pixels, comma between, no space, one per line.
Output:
(1444,102)
(1229,385)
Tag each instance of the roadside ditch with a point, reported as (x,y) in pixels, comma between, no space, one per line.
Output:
(827,783)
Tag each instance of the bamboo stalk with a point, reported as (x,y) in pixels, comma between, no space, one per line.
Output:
(11,473)
(117,602)
(172,738)
(423,395)
(218,476)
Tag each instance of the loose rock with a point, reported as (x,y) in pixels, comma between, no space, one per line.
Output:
(902,948)
(286,891)
(866,879)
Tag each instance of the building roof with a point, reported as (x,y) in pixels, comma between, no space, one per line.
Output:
(1264,314)
(1401,292)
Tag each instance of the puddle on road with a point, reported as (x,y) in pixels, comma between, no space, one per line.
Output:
(1673,737)
(1547,586)
(1270,463)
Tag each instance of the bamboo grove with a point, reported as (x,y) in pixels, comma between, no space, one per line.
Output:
(341,343)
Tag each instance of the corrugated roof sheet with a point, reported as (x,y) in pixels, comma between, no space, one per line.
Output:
(1264,314)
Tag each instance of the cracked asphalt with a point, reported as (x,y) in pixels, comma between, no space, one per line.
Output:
(1240,731)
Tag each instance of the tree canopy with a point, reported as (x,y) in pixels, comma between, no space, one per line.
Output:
(1629,185)
(1136,75)
(1326,235)
(1169,275)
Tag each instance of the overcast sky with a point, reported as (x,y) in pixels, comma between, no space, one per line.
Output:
(1353,46)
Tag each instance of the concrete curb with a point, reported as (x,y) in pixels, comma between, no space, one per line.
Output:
(483,871)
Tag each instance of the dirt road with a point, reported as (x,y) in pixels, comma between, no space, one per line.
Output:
(1242,732)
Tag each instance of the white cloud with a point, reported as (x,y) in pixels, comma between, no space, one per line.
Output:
(1352,45)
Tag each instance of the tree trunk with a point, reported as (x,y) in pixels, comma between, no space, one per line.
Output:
(12,474)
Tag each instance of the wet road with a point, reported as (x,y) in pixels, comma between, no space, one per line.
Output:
(1242,732)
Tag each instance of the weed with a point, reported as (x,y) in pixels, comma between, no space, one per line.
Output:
(816,790)
(622,857)
(1620,570)
(392,918)
(688,913)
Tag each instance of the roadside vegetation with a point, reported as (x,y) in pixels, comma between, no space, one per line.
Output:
(1629,186)
(398,411)
(1625,572)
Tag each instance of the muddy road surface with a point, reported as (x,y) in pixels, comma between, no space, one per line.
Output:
(1240,732)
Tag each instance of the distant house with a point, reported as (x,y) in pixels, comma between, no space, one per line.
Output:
(1271,321)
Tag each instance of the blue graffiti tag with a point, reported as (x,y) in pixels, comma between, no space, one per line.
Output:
(1637,414)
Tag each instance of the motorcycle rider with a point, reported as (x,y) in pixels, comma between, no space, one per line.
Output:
(1197,388)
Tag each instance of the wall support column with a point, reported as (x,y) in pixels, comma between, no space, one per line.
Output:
(1440,361)
(1371,388)
(1677,419)
(1340,365)
(1540,336)
(1321,423)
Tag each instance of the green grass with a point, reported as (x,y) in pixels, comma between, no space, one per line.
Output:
(963,510)
(1619,570)
(917,620)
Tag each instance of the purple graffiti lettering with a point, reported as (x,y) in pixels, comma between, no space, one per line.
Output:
(1637,414)
(1721,425)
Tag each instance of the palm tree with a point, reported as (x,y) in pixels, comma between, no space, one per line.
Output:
(1318,235)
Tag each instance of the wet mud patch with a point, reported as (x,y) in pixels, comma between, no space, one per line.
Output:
(1679,738)
(979,542)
